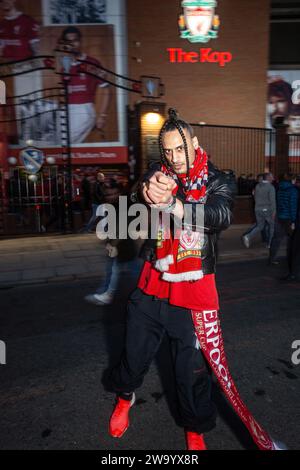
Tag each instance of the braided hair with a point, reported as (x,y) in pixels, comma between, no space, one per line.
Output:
(172,124)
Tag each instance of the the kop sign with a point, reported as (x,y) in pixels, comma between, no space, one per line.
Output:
(199,23)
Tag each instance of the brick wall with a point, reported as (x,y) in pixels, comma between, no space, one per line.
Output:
(230,95)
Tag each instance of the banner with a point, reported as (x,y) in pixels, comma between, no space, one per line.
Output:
(82,156)
(284,99)
(91,38)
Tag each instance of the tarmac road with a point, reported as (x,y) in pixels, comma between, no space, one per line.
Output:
(58,348)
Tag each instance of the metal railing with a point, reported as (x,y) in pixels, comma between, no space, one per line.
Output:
(244,150)
(294,153)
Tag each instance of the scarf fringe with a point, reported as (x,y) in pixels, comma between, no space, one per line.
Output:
(188,276)
(163,264)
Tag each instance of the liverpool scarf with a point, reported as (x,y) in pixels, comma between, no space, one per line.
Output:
(208,331)
(178,256)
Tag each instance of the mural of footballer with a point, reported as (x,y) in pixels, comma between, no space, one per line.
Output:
(19,33)
(83,89)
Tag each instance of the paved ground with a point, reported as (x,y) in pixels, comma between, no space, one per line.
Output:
(53,258)
(58,348)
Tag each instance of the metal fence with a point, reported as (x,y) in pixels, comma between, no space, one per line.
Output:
(294,154)
(244,150)
(32,201)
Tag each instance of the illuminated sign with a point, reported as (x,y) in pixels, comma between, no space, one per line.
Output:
(296,94)
(178,55)
(199,22)
(2,352)
(2,92)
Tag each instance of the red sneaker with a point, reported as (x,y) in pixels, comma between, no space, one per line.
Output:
(195,441)
(119,420)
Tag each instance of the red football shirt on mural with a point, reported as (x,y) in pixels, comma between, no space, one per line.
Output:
(17,33)
(82,87)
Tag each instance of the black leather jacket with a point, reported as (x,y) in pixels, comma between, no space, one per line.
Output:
(217,216)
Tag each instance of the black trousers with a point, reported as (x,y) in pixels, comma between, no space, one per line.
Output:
(148,320)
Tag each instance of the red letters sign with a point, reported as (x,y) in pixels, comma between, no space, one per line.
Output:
(205,54)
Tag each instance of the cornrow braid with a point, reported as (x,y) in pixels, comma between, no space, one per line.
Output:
(171,124)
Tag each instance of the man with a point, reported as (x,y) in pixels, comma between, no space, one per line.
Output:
(86,192)
(287,206)
(83,90)
(98,196)
(294,120)
(19,40)
(265,209)
(294,251)
(120,253)
(19,33)
(279,98)
(176,292)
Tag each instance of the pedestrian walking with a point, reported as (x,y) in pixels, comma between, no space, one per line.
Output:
(98,191)
(120,253)
(265,210)
(294,251)
(287,206)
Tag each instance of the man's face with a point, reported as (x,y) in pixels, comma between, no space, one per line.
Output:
(174,150)
(278,106)
(294,124)
(73,41)
(7,5)
(100,177)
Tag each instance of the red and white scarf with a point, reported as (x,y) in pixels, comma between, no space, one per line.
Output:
(209,334)
(178,257)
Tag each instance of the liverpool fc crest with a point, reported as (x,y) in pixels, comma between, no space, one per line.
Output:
(199,22)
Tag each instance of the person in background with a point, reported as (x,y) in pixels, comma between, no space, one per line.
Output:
(57,218)
(265,210)
(19,33)
(98,191)
(242,185)
(265,231)
(287,206)
(251,182)
(294,120)
(86,192)
(294,252)
(259,179)
(120,253)
(76,192)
